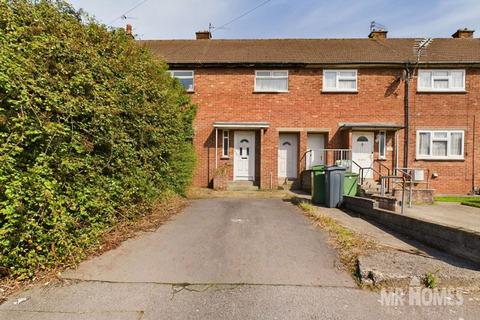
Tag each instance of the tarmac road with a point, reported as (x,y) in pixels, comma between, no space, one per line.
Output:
(220,259)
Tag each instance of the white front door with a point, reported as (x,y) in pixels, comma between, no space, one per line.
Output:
(287,155)
(315,150)
(362,152)
(244,158)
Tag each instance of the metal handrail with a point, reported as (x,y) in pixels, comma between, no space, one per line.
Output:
(427,182)
(384,166)
(389,178)
(369,168)
(403,171)
(382,188)
(359,167)
(360,171)
(374,170)
(410,184)
(388,173)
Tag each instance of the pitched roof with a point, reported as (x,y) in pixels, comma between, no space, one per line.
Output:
(312,51)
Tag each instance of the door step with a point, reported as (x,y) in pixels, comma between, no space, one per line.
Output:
(242,186)
(369,188)
(286,184)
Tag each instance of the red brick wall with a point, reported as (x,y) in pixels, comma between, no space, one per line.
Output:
(227,95)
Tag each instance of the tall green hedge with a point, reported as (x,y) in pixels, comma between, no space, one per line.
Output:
(92,131)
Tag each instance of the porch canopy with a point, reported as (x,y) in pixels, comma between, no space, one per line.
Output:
(370,126)
(241,125)
(235,125)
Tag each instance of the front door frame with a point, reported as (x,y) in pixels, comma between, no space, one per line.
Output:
(368,174)
(293,164)
(237,135)
(314,153)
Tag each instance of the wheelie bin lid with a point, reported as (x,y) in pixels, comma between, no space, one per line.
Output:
(335,168)
(318,167)
(351,174)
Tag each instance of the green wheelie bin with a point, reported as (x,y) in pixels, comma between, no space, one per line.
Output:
(318,184)
(350,184)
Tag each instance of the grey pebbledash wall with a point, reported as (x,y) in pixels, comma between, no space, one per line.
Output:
(456,241)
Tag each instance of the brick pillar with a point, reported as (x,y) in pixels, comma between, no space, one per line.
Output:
(268,152)
(302,149)
(348,137)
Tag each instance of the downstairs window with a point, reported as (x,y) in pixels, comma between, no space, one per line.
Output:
(440,144)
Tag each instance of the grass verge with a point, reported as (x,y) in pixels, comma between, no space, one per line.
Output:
(472,201)
(111,239)
(349,244)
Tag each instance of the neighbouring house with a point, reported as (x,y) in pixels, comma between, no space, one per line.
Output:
(268,110)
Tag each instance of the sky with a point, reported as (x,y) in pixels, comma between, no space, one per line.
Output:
(179,19)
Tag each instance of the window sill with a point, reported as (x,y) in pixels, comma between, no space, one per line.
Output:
(258,91)
(382,159)
(339,91)
(190,91)
(441,91)
(438,159)
(224,158)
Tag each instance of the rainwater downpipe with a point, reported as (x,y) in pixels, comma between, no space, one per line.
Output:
(396,153)
(474,156)
(407,115)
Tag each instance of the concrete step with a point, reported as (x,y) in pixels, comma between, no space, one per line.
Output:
(287,184)
(370,183)
(242,186)
(370,186)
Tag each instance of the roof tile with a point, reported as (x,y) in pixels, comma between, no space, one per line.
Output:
(312,51)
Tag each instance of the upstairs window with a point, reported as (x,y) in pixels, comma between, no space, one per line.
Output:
(340,80)
(440,145)
(271,81)
(185,77)
(441,80)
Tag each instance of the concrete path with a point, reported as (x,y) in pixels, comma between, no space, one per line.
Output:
(354,222)
(220,259)
(451,214)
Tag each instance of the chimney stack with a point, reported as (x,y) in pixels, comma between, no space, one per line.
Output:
(203,35)
(463,34)
(378,34)
(129,30)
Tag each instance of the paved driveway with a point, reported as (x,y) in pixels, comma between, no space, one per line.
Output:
(227,241)
(246,259)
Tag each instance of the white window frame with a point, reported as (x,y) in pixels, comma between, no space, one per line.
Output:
(172,73)
(225,142)
(448,139)
(447,77)
(384,134)
(270,77)
(338,78)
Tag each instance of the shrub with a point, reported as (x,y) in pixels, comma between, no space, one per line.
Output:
(92,131)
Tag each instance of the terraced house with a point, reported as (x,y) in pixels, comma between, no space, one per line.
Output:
(270,109)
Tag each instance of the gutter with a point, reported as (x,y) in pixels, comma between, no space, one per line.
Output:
(197,64)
